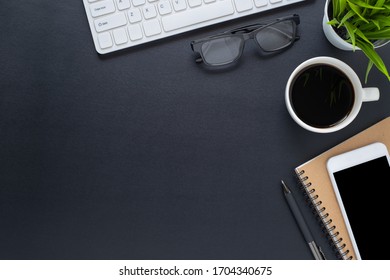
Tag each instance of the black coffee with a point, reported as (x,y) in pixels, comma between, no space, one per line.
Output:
(322,96)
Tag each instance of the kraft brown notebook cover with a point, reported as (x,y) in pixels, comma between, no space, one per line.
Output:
(316,183)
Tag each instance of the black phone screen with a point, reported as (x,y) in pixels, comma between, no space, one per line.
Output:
(365,192)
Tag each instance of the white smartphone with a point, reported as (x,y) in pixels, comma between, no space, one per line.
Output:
(361,181)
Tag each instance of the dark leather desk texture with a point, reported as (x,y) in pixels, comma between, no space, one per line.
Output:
(144,154)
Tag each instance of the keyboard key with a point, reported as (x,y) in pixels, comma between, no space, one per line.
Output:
(164,8)
(135,32)
(105,40)
(261,3)
(149,11)
(243,5)
(194,3)
(123,4)
(198,15)
(110,22)
(102,8)
(120,36)
(138,2)
(179,5)
(275,1)
(152,27)
(134,15)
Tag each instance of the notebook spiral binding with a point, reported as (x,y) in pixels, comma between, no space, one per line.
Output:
(323,216)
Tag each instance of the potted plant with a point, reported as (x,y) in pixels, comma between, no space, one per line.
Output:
(359,24)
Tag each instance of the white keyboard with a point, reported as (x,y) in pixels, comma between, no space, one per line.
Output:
(120,24)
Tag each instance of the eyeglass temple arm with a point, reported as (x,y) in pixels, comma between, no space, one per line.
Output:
(247,28)
(257,25)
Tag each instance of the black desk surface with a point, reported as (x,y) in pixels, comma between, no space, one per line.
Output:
(144,154)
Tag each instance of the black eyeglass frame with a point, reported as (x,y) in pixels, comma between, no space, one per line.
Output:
(245,33)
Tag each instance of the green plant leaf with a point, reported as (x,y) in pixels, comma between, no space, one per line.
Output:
(333,22)
(376,23)
(377,35)
(369,27)
(378,3)
(351,33)
(336,8)
(365,5)
(346,17)
(369,66)
(357,10)
(342,6)
(362,35)
(384,20)
(372,55)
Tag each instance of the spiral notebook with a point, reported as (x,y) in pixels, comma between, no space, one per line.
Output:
(316,183)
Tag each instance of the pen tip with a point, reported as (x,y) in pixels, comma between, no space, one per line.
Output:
(285,188)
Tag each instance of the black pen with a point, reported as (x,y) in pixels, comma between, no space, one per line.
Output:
(317,253)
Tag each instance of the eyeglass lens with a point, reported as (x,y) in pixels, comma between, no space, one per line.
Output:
(224,50)
(276,36)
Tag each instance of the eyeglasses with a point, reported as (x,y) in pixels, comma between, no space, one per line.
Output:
(227,47)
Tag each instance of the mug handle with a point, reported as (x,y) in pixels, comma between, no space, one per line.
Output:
(370,94)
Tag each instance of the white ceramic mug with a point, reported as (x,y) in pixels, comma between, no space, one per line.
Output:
(360,94)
